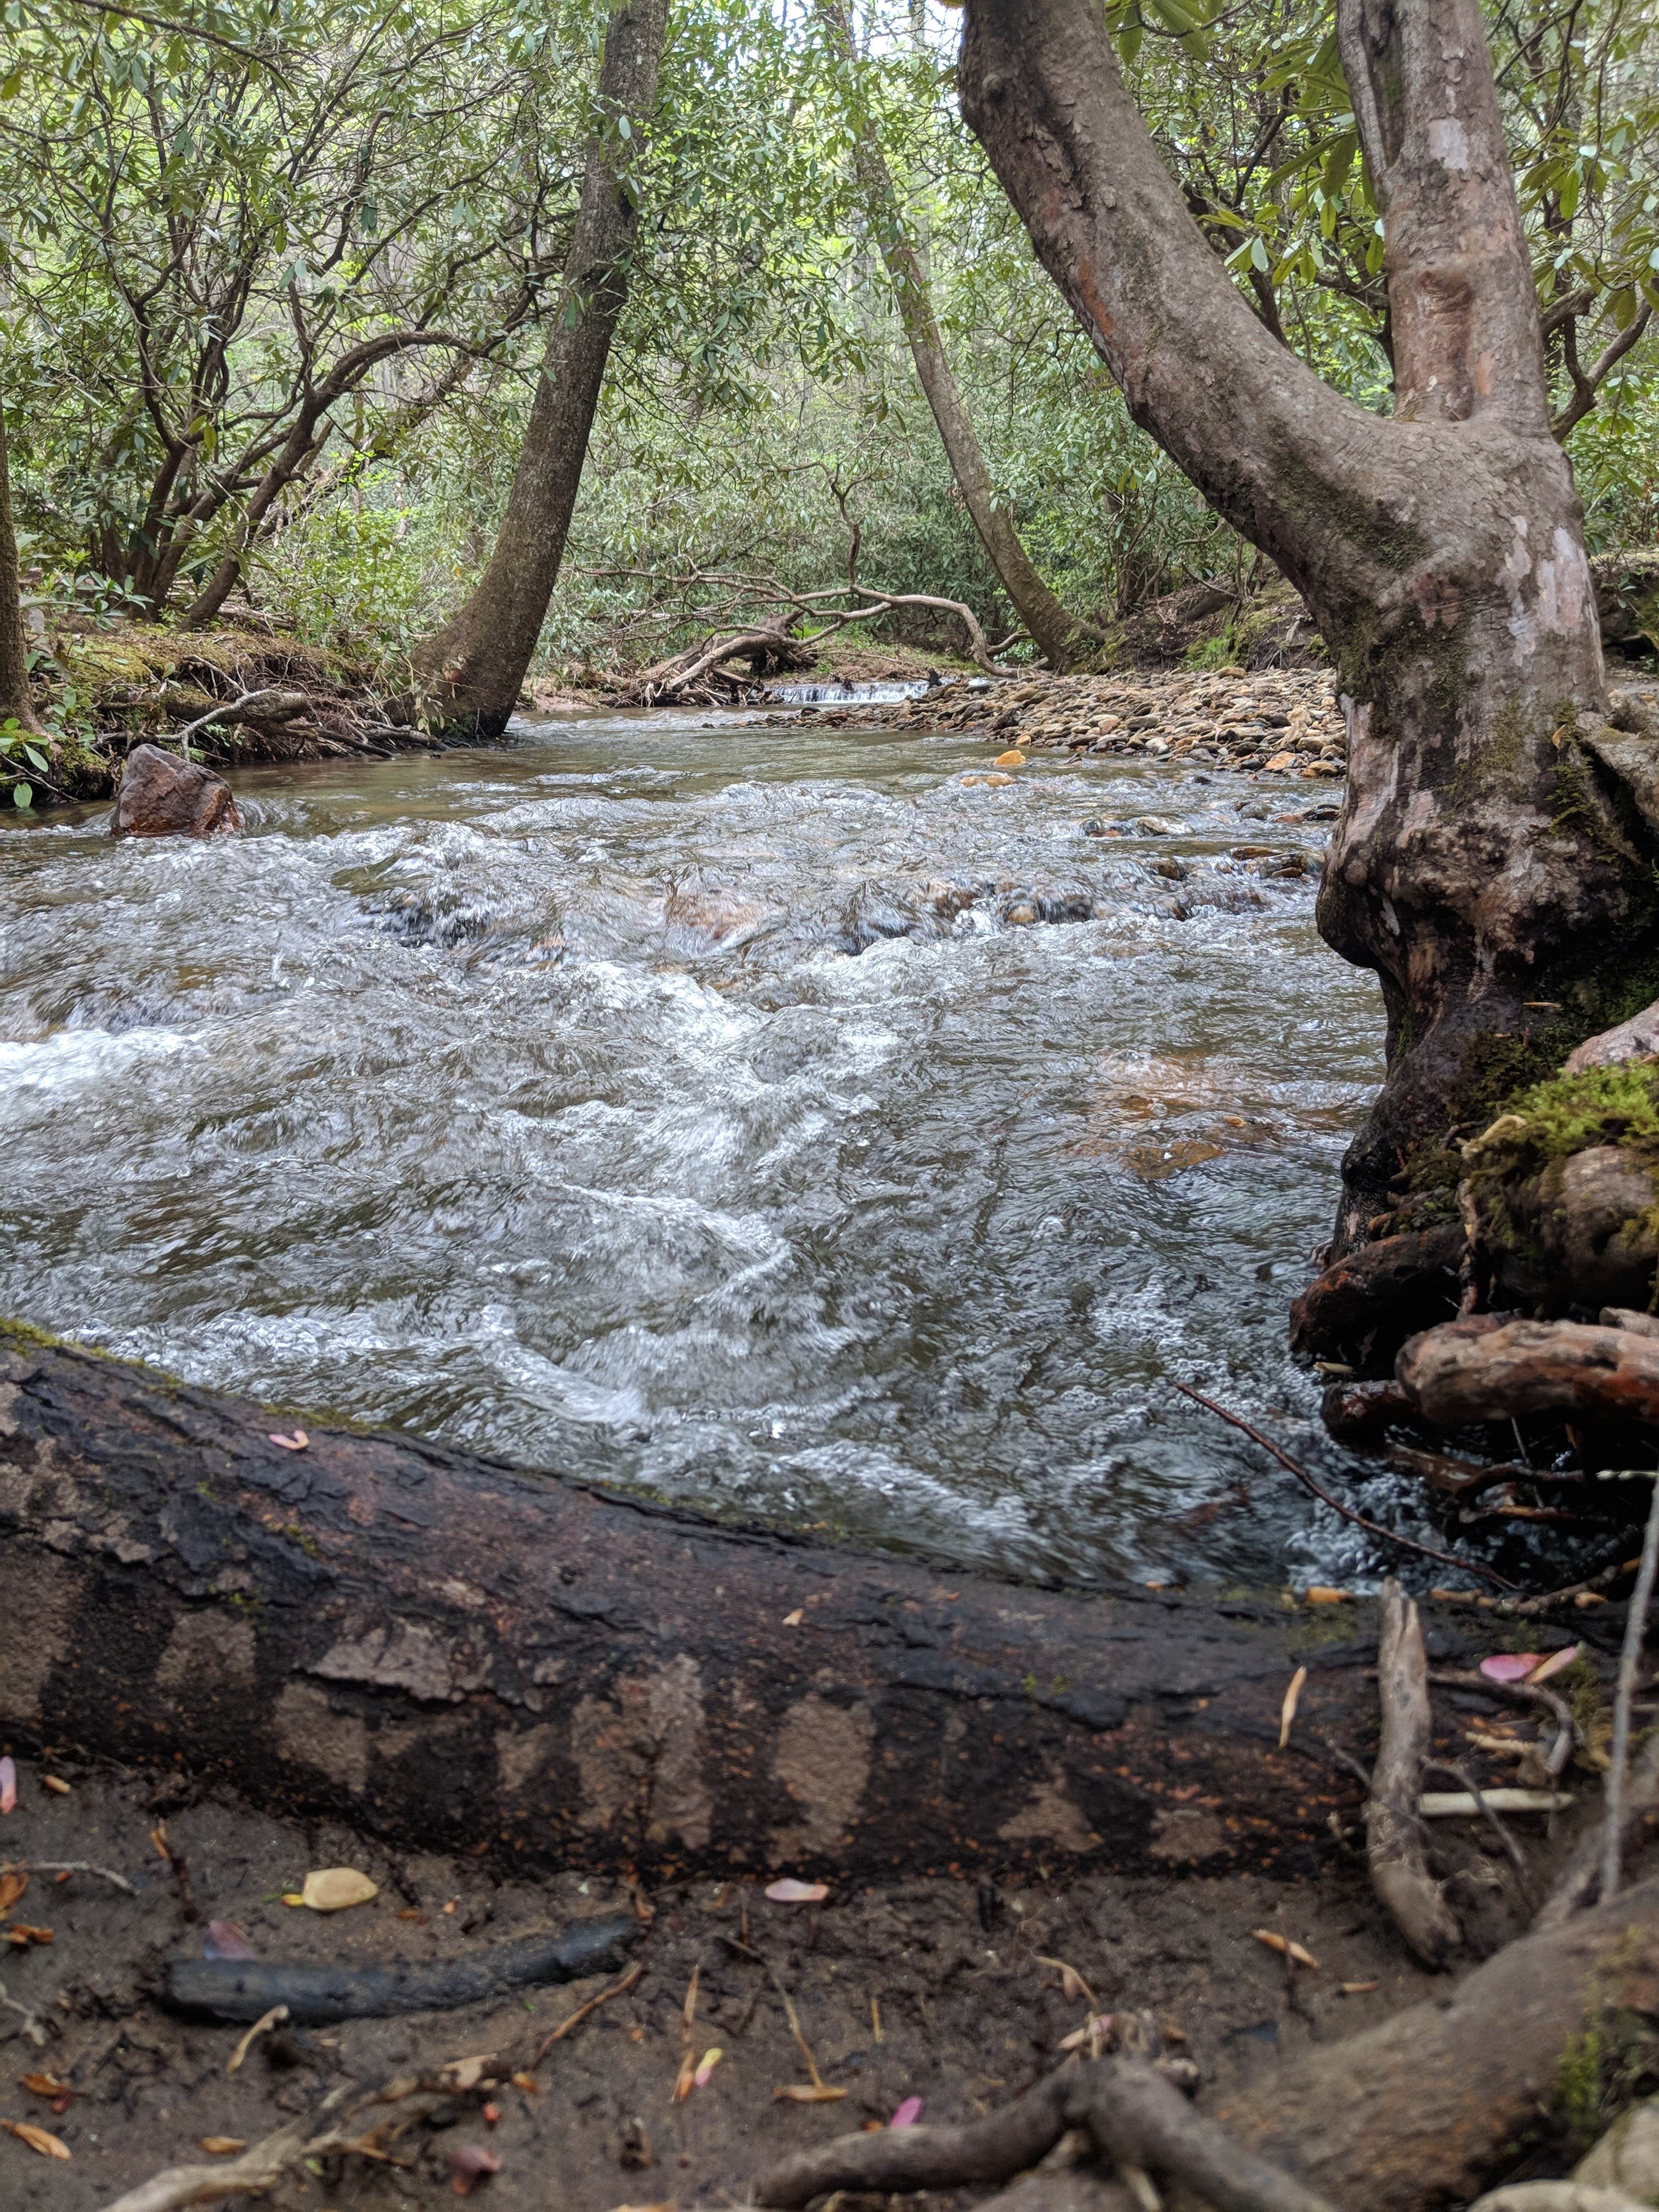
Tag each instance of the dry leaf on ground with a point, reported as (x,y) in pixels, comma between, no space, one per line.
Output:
(297,1441)
(470,2164)
(1287,1710)
(36,2138)
(13,1883)
(332,1889)
(221,2145)
(1285,1948)
(809,2093)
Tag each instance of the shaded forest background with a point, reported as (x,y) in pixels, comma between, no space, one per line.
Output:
(275,283)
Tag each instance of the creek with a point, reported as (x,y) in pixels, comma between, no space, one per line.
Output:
(762,1117)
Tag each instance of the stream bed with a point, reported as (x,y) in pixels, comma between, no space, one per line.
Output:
(762,1117)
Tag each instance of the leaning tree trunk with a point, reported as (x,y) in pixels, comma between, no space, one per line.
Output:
(1482,862)
(1061,636)
(17,699)
(467,676)
(452,1654)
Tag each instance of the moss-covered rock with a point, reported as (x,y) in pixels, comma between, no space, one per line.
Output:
(1560,1194)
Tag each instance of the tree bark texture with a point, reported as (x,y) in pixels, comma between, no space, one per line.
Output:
(458,1656)
(17,699)
(1423,2108)
(1483,860)
(1061,636)
(468,675)
(1490,1369)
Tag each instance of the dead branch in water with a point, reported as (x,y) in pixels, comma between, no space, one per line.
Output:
(1318,1490)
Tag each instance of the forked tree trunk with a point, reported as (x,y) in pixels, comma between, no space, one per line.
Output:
(1061,634)
(467,676)
(17,701)
(1481,864)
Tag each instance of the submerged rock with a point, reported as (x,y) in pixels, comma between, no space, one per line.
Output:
(162,796)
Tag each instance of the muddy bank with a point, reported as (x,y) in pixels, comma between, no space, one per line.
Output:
(943,1990)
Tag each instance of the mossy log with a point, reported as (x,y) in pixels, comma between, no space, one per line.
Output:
(458,1655)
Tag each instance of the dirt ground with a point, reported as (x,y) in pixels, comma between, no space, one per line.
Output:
(933,1989)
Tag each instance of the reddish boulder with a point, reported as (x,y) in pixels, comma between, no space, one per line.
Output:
(162,796)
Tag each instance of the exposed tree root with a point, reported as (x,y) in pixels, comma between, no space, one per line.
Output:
(1488,1369)
(1133,2116)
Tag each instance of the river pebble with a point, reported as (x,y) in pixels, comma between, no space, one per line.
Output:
(1282,721)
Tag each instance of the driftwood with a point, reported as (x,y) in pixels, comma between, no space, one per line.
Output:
(1489,1369)
(444,1650)
(1393,1834)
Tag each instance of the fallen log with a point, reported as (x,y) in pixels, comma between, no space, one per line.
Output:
(451,1653)
(1474,1370)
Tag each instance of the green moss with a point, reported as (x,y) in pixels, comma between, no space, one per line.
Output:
(1568,1112)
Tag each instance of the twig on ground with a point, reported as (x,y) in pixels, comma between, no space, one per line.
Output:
(68,1866)
(34,2027)
(1629,1659)
(1462,1776)
(1318,1490)
(1135,2117)
(1531,1608)
(1394,1834)
(1519,1693)
(575,2019)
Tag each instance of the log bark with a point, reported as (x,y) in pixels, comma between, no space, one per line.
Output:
(1425,2108)
(469,674)
(455,1655)
(1488,1369)
(1483,860)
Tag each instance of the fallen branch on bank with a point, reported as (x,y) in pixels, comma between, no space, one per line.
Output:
(769,641)
(1394,1831)
(269,706)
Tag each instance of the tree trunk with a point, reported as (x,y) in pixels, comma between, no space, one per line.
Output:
(467,676)
(1482,861)
(17,699)
(1061,636)
(457,1656)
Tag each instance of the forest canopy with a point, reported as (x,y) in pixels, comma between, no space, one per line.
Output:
(276,280)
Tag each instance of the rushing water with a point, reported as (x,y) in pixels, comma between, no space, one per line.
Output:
(663,1102)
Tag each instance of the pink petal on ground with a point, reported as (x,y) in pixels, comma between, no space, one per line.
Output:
(1556,1664)
(791,1891)
(908,2113)
(225,1939)
(1511,1666)
(8,1784)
